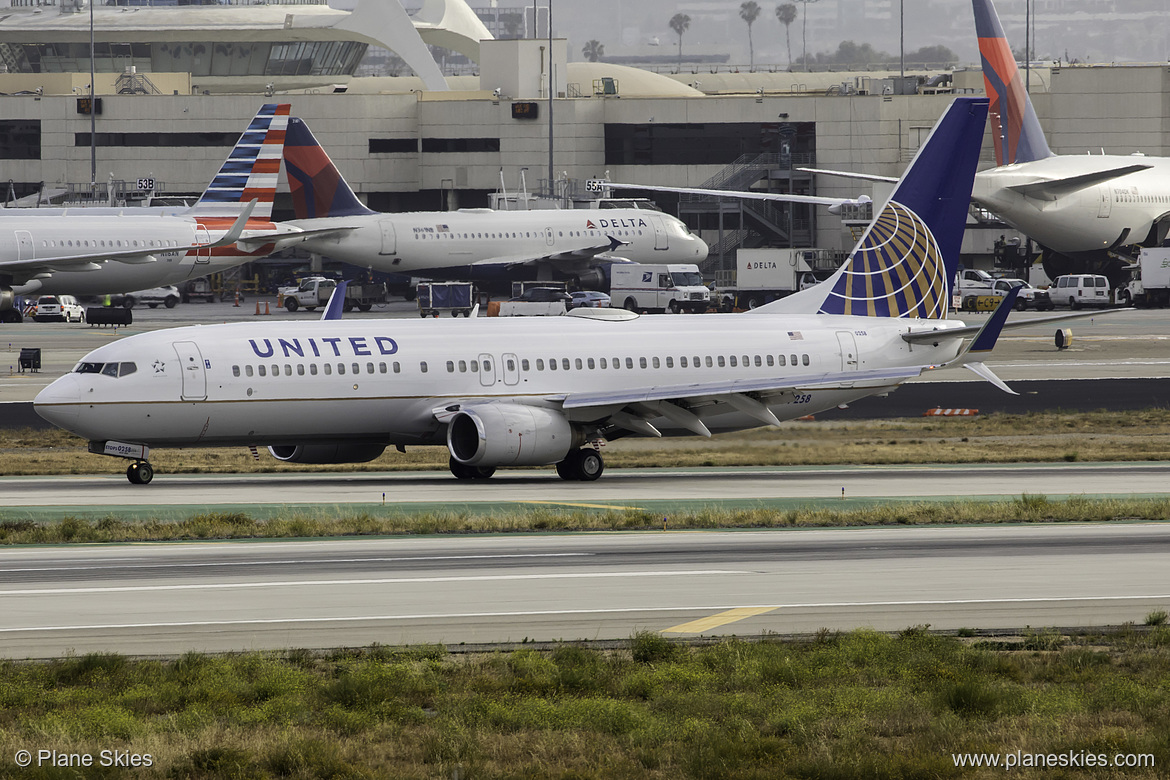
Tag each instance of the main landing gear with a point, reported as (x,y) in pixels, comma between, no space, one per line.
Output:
(140,472)
(583,465)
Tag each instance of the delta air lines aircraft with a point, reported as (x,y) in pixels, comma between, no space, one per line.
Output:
(535,391)
(473,244)
(95,251)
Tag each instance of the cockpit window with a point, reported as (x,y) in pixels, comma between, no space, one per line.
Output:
(106,369)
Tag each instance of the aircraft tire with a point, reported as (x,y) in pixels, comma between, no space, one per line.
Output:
(290,304)
(584,465)
(463,471)
(140,473)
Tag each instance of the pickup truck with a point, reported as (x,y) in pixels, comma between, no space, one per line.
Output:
(314,291)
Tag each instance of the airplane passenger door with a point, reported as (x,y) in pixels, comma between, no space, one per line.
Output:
(487,370)
(24,245)
(848,343)
(389,237)
(203,237)
(192,367)
(511,370)
(1105,208)
(661,238)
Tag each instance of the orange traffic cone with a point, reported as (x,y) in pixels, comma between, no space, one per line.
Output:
(237,303)
(257,308)
(266,308)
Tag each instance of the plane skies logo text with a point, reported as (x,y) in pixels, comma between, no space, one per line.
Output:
(603,224)
(355,346)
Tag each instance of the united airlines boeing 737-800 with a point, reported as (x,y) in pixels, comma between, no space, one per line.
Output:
(81,251)
(473,244)
(534,391)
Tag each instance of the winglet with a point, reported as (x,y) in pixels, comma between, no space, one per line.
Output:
(237,228)
(985,339)
(336,303)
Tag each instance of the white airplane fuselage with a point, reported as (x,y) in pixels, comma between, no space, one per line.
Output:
(382,381)
(421,242)
(1118,212)
(167,238)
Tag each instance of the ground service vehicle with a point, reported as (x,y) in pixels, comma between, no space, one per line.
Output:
(314,291)
(589,299)
(766,275)
(1077,290)
(59,308)
(1150,285)
(646,287)
(168,296)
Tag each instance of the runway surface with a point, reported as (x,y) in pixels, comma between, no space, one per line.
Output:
(168,599)
(645,488)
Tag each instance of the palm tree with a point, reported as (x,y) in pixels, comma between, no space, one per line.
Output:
(749,11)
(594,50)
(804,32)
(680,23)
(786,15)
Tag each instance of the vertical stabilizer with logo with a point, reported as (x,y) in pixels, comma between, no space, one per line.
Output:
(905,261)
(1015,130)
(251,171)
(317,187)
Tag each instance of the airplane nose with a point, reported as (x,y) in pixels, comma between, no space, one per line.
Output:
(701,248)
(60,402)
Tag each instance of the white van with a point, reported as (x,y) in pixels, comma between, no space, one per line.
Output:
(1077,290)
(642,287)
(59,308)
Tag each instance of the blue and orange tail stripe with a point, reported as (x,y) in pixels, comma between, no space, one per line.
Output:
(1016,133)
(317,187)
(903,264)
(252,169)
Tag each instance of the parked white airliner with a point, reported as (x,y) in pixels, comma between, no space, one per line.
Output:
(473,244)
(79,251)
(1078,206)
(523,392)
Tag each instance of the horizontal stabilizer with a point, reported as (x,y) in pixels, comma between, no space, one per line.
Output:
(1054,188)
(814,200)
(936,334)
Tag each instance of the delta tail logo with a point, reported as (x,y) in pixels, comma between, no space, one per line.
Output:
(896,271)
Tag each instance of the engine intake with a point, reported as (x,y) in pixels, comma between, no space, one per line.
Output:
(327,453)
(510,435)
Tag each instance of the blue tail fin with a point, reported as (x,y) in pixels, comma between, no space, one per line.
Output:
(1015,130)
(317,187)
(905,261)
(251,170)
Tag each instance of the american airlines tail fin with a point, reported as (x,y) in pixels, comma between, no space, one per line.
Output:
(905,261)
(318,188)
(1015,130)
(252,169)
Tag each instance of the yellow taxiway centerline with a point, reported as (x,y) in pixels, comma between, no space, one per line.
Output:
(717,620)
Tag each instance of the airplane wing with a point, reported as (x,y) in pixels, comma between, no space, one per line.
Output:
(815,200)
(850,174)
(575,255)
(90,261)
(1054,188)
(290,236)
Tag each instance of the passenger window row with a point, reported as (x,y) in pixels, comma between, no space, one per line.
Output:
(313,369)
(107,244)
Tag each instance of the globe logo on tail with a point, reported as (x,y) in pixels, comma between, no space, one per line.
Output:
(897,270)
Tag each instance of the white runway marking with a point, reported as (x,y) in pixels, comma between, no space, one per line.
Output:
(557,612)
(380,581)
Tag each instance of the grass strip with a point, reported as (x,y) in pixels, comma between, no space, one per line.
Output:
(153,524)
(858,704)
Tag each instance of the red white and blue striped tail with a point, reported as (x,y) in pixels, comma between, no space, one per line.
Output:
(251,170)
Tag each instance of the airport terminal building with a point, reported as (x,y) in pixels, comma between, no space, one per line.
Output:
(177,84)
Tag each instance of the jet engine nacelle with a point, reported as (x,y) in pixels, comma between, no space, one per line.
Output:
(327,453)
(593,279)
(7,299)
(510,435)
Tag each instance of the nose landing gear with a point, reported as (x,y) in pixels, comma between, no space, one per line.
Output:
(140,472)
